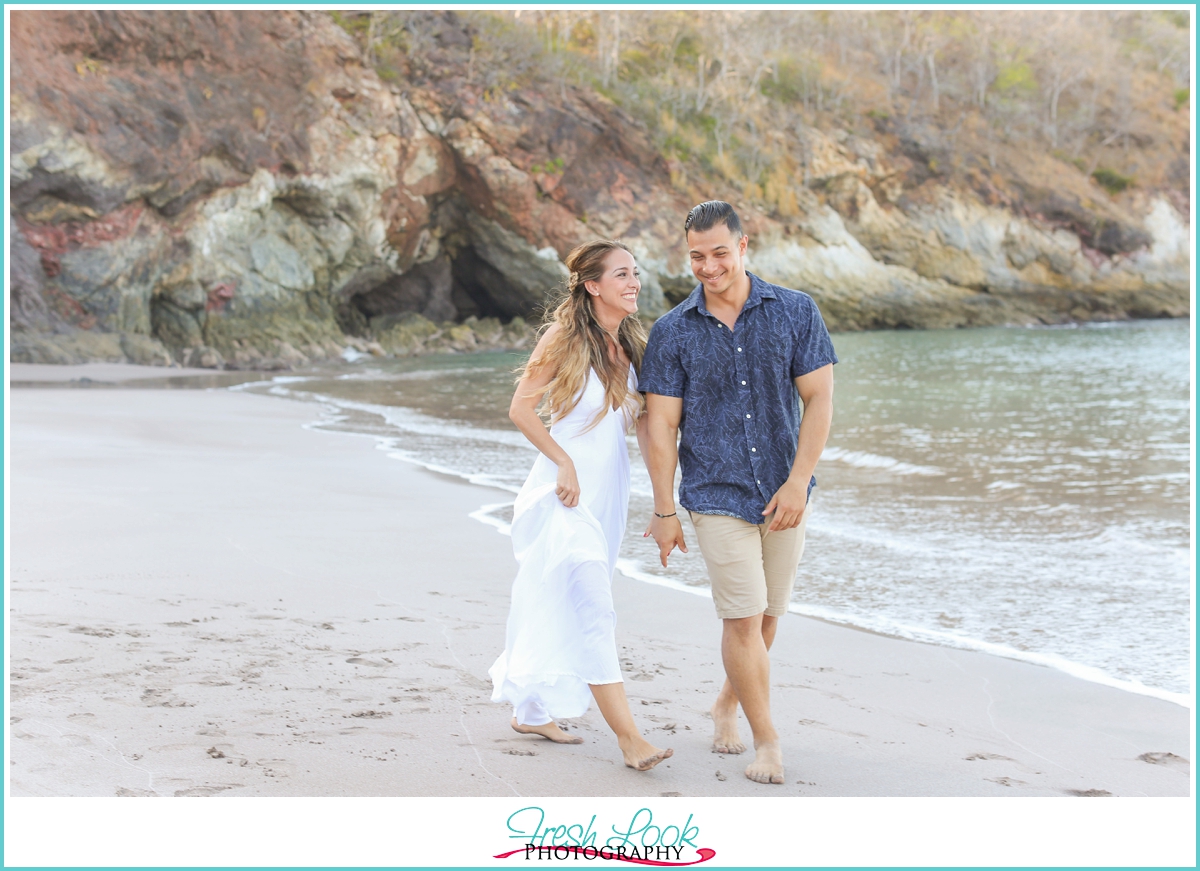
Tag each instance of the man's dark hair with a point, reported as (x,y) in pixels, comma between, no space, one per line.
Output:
(707,215)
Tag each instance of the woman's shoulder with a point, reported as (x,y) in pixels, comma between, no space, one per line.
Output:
(546,340)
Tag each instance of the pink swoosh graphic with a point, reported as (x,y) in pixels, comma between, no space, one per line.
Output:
(705,855)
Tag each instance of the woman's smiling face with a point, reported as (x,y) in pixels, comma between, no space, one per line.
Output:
(616,291)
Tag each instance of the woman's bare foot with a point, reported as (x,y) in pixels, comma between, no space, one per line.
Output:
(640,754)
(767,766)
(549,730)
(725,730)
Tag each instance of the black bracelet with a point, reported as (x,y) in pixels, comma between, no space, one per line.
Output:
(664,516)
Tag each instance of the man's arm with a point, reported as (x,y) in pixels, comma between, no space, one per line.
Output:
(658,439)
(790,501)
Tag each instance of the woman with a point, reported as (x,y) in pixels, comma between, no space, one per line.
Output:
(560,649)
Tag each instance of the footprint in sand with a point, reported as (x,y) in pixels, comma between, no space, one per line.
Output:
(98,633)
(520,752)
(473,681)
(818,724)
(1168,759)
(202,790)
(1088,793)
(163,698)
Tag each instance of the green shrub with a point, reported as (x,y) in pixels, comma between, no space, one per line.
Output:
(1016,77)
(1078,162)
(1111,180)
(791,80)
(551,167)
(354,23)
(1182,96)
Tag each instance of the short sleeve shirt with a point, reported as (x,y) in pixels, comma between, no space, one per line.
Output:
(741,411)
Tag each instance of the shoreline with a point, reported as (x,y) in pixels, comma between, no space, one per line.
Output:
(107,374)
(251,607)
(899,631)
(902,632)
(413,347)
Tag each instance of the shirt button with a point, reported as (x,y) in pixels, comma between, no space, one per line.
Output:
(747,416)
(739,350)
(754,450)
(743,383)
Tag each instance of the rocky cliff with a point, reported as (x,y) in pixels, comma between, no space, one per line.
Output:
(242,189)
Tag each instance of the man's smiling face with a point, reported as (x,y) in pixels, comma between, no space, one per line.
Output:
(717,257)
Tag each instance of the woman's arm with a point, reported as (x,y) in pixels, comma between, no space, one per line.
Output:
(522,411)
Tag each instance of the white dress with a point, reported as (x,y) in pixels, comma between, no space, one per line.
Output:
(561,624)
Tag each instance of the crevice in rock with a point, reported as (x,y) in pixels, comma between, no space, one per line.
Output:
(424,289)
(176,327)
(451,287)
(481,270)
(483,290)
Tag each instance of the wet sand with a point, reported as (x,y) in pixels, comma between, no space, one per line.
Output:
(97,372)
(210,599)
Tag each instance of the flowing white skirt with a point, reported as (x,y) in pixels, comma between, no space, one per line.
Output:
(561,634)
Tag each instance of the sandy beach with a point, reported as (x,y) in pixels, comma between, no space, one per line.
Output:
(208,598)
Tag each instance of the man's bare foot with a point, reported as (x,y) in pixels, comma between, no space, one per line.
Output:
(640,754)
(550,730)
(767,766)
(725,730)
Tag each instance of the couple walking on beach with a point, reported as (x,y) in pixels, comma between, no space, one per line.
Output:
(716,389)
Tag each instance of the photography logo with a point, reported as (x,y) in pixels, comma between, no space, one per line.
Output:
(641,842)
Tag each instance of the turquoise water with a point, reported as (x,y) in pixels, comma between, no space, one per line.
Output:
(1024,491)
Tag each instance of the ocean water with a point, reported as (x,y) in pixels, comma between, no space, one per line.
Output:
(1020,491)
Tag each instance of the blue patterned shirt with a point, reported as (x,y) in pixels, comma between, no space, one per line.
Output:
(741,412)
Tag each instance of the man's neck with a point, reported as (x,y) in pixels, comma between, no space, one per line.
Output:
(728,305)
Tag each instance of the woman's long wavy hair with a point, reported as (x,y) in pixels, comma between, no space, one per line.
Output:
(581,343)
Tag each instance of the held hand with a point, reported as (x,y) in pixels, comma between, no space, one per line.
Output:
(668,534)
(788,504)
(567,489)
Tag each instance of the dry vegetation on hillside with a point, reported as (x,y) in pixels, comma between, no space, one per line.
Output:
(973,97)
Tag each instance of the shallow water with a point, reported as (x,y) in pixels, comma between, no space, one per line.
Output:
(1024,491)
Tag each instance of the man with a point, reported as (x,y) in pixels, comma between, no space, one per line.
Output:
(723,371)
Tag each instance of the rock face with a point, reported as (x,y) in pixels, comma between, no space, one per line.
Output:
(239,189)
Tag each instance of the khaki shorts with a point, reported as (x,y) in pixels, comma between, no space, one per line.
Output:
(752,570)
